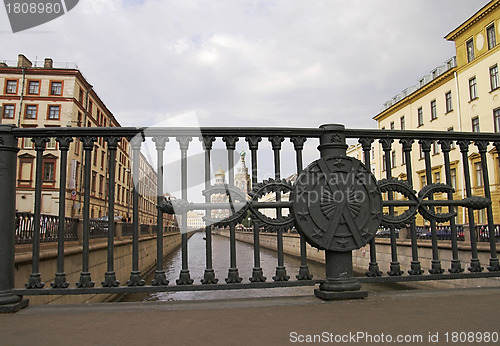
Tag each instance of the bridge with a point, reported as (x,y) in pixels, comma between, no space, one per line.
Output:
(336,204)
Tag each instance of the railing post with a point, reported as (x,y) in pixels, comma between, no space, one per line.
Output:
(340,282)
(8,159)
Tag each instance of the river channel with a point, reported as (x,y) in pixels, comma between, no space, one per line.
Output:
(244,251)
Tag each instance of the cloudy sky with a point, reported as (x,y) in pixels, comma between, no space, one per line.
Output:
(247,63)
(293,63)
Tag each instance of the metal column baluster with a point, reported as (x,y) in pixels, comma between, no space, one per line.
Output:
(184,277)
(475,265)
(373,269)
(280,269)
(110,276)
(494,265)
(35,278)
(209,275)
(257,273)
(435,263)
(456,266)
(88,146)
(160,278)
(9,302)
(135,274)
(395,267)
(233,275)
(298,144)
(60,278)
(416,268)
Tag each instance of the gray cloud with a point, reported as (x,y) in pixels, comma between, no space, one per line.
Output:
(234,63)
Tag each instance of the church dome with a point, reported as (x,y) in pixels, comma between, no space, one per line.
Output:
(219,172)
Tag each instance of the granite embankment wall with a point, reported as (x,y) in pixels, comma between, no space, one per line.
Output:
(97,264)
(361,257)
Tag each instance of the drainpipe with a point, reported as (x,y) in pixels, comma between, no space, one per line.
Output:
(459,117)
(22,97)
(85,114)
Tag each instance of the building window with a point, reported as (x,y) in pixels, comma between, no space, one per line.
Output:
(25,177)
(420,116)
(34,87)
(481,216)
(470,50)
(435,148)
(48,171)
(423,180)
(393,159)
(449,103)
(94,174)
(479,174)
(402,122)
(453,176)
(96,149)
(11,87)
(421,151)
(31,111)
(452,145)
(27,143)
(101,185)
(472,88)
(103,158)
(54,112)
(475,124)
(433,110)
(492,40)
(403,157)
(496,119)
(51,144)
(383,163)
(8,111)
(392,125)
(56,88)
(437,177)
(494,77)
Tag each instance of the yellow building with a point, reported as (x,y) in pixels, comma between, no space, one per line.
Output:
(195,220)
(461,95)
(46,95)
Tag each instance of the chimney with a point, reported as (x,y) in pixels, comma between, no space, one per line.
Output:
(47,63)
(23,61)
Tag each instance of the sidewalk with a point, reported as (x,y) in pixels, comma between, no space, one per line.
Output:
(259,321)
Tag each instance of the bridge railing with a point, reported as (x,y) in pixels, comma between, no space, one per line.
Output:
(25,225)
(401,205)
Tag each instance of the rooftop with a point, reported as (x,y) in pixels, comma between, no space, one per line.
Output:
(433,75)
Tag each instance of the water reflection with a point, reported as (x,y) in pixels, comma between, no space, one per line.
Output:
(220,246)
(244,251)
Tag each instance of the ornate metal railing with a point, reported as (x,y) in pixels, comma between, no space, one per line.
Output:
(98,229)
(336,204)
(25,226)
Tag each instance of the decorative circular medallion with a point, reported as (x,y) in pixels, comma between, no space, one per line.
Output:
(337,204)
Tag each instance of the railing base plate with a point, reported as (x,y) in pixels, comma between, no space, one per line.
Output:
(329,295)
(10,308)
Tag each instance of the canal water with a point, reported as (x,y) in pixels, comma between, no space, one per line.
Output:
(220,261)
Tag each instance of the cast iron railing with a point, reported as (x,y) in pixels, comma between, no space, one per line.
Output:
(397,195)
(25,226)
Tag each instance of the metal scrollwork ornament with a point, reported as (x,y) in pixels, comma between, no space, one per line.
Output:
(337,204)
